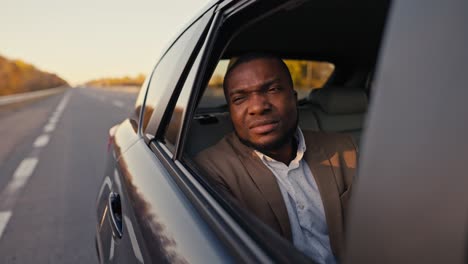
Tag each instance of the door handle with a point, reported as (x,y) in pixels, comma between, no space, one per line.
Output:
(115,214)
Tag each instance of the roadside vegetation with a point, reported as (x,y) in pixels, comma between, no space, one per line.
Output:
(17,76)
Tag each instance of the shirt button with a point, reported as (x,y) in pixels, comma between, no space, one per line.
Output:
(301,206)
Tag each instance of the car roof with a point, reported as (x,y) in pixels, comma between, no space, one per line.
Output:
(341,32)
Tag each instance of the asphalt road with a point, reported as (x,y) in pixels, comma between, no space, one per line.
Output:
(52,158)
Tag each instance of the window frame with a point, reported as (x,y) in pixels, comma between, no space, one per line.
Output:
(159,115)
(185,82)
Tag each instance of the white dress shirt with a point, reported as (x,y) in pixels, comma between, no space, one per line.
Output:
(303,203)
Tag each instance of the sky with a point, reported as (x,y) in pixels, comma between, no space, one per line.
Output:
(81,40)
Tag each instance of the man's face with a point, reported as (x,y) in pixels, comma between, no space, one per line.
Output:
(262,103)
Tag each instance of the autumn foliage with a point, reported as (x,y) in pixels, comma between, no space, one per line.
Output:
(17,76)
(311,74)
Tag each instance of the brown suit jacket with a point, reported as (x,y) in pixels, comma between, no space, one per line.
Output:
(237,171)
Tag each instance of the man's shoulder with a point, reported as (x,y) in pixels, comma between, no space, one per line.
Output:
(225,150)
(224,161)
(222,146)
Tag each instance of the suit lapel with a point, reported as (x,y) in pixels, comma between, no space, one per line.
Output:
(267,184)
(322,171)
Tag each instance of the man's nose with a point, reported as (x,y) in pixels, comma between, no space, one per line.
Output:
(258,104)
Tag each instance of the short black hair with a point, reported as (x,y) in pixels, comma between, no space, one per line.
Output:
(254,56)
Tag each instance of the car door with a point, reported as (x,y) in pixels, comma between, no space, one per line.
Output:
(145,216)
(411,202)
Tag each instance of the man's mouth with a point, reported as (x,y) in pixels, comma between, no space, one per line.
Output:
(263,126)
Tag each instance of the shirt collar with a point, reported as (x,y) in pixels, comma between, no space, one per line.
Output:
(301,148)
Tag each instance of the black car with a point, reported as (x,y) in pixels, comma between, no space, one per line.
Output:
(395,71)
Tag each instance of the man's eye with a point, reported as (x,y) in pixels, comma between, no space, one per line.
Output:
(274,89)
(238,99)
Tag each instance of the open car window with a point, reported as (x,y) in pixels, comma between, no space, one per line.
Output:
(316,62)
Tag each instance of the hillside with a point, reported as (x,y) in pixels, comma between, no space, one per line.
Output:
(17,76)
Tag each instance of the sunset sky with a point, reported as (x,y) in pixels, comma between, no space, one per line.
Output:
(88,39)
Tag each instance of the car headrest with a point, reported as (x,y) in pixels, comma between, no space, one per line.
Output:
(339,100)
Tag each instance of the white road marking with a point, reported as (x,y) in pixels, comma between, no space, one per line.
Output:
(63,103)
(61,107)
(133,240)
(23,172)
(49,128)
(118,103)
(20,177)
(26,168)
(41,141)
(53,119)
(56,115)
(4,218)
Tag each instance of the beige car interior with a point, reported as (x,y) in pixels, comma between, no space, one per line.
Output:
(330,109)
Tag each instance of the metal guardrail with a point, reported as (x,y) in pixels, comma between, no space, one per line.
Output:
(9,99)
(119,88)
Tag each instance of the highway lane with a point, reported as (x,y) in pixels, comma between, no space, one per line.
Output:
(52,158)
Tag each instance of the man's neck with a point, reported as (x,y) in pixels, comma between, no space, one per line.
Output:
(285,153)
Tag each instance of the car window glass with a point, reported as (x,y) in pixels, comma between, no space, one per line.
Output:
(307,75)
(168,72)
(172,132)
(135,117)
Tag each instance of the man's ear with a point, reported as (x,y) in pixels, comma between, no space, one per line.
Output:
(295,96)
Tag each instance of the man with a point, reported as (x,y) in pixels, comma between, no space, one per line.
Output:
(297,182)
